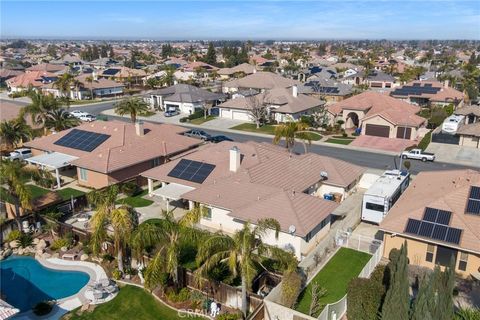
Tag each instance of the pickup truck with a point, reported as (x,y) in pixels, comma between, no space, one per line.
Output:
(418,154)
(19,154)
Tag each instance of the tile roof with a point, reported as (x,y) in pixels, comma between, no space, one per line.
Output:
(46,67)
(471,129)
(124,147)
(101,83)
(445,94)
(378,104)
(187,93)
(32,78)
(261,80)
(445,190)
(193,66)
(244,67)
(467,110)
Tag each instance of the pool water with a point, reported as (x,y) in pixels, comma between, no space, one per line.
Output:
(24,282)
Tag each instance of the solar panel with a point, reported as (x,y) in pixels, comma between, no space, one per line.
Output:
(412,226)
(433,231)
(437,216)
(430,214)
(443,217)
(82,140)
(193,171)
(473,203)
(439,232)
(110,72)
(453,235)
(426,229)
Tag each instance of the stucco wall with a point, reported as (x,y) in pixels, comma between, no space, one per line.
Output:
(468,141)
(94,180)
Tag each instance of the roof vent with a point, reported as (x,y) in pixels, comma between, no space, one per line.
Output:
(291,229)
(324,175)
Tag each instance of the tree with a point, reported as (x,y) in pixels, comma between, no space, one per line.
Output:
(168,236)
(444,283)
(153,82)
(421,305)
(291,288)
(291,131)
(64,84)
(133,107)
(60,119)
(257,109)
(39,108)
(397,299)
(211,56)
(317,292)
(14,132)
(13,178)
(240,252)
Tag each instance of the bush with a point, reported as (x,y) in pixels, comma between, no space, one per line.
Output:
(43,308)
(308,120)
(25,240)
(108,257)
(291,288)
(184,119)
(130,189)
(423,144)
(182,295)
(14,235)
(59,243)
(197,114)
(344,135)
(117,274)
(394,254)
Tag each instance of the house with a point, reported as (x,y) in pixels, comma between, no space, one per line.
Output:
(379,115)
(469,132)
(245,182)
(31,79)
(46,67)
(282,105)
(69,60)
(331,90)
(106,153)
(6,74)
(240,70)
(375,79)
(197,69)
(429,93)
(438,217)
(260,80)
(123,74)
(102,63)
(183,97)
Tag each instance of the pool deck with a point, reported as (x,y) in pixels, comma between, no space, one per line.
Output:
(67,304)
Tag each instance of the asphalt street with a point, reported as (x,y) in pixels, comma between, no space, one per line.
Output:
(362,158)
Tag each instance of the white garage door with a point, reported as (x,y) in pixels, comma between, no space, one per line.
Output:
(241,115)
(226,113)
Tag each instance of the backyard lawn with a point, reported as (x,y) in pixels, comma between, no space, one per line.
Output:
(37,191)
(339,141)
(136,201)
(130,303)
(202,120)
(345,265)
(67,193)
(252,127)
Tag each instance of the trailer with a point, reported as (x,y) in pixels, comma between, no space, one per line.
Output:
(383,194)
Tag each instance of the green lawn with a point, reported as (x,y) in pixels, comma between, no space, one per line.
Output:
(202,120)
(314,136)
(251,127)
(67,193)
(342,137)
(37,191)
(339,141)
(130,303)
(345,265)
(136,201)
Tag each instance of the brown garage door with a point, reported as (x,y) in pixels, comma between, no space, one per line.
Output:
(377,130)
(404,133)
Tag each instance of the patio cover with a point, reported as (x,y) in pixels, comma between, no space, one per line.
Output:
(172,191)
(54,160)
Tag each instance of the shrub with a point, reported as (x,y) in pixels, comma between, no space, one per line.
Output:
(340,122)
(108,257)
(130,188)
(43,308)
(197,114)
(308,120)
(182,295)
(25,240)
(14,235)
(344,135)
(184,119)
(291,288)
(423,144)
(117,274)
(59,243)
(393,255)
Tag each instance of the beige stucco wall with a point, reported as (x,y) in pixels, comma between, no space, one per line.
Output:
(417,251)
(96,180)
(469,141)
(349,124)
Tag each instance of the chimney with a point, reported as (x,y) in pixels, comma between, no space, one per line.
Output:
(446,83)
(234,159)
(94,75)
(295,91)
(139,128)
(254,70)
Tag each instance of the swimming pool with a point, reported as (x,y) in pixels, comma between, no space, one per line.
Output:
(25,282)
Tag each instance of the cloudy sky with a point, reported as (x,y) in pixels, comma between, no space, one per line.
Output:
(334,19)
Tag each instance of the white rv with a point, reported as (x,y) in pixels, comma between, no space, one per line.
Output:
(383,194)
(452,123)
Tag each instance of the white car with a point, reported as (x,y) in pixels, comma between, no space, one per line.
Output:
(87,117)
(20,154)
(78,113)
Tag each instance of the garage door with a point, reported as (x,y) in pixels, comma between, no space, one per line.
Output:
(226,113)
(377,130)
(404,133)
(241,115)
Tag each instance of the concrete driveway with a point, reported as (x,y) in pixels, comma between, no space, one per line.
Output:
(455,154)
(221,123)
(380,143)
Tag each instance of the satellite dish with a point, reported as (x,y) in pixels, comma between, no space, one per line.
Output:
(324,175)
(292,229)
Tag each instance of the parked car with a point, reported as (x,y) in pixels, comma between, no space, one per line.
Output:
(87,117)
(217,139)
(200,134)
(418,154)
(20,154)
(171,113)
(78,113)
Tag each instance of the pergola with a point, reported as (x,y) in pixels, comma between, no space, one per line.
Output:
(53,160)
(171,191)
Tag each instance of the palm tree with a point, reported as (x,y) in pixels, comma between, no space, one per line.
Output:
(132,106)
(64,84)
(39,108)
(291,131)
(168,236)
(60,119)
(90,80)
(14,132)
(241,252)
(13,178)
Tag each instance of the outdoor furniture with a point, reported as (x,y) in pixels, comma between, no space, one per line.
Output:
(70,256)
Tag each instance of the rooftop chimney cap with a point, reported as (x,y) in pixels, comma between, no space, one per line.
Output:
(235,148)
(324,174)
(292,229)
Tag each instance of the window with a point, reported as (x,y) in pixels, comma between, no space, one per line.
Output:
(445,255)
(375,207)
(156,162)
(208,214)
(462,264)
(430,253)
(83,174)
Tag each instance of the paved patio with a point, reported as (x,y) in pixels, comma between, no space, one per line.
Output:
(380,143)
(154,211)
(455,154)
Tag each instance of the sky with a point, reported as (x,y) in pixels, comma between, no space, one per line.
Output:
(235,19)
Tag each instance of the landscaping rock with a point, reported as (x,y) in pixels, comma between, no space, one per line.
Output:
(46,255)
(39,252)
(14,244)
(41,244)
(5,245)
(64,249)
(36,240)
(84,257)
(20,251)
(56,255)
(7,252)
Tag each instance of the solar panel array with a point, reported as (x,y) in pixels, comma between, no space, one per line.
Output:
(193,171)
(434,226)
(416,89)
(82,140)
(473,203)
(110,72)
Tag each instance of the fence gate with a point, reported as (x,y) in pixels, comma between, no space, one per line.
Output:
(445,138)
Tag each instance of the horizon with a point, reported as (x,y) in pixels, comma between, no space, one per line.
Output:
(234,20)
